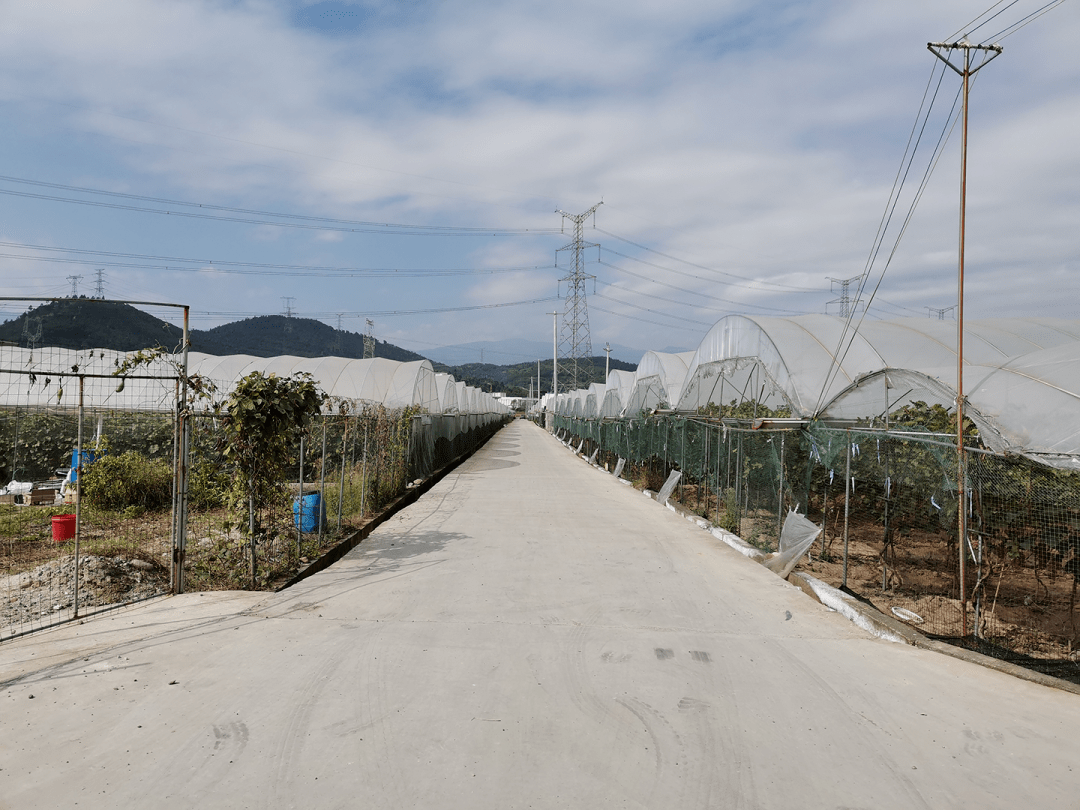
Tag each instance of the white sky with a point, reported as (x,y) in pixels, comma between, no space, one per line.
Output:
(752,139)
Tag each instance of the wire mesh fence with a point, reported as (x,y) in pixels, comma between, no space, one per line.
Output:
(121,489)
(86,520)
(887,501)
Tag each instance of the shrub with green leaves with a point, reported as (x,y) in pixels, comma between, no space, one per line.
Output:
(117,482)
(208,485)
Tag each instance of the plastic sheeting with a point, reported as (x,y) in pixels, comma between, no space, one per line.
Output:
(447,391)
(378,380)
(616,393)
(806,361)
(796,538)
(1022,375)
(658,382)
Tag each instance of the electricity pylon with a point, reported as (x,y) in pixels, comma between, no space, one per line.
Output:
(844,300)
(369,340)
(575,343)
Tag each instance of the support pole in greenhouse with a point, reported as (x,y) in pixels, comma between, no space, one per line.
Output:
(989,53)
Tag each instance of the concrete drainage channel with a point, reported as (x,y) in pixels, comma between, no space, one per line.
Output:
(858,612)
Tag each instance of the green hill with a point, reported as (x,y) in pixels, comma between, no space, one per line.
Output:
(270,335)
(514,379)
(90,323)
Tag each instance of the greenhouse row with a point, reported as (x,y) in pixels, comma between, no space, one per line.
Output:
(36,378)
(1021,376)
(854,426)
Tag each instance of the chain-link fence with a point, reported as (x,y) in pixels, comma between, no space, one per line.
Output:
(887,501)
(120,489)
(87,518)
(347,467)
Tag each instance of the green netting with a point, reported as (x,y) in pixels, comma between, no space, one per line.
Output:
(887,502)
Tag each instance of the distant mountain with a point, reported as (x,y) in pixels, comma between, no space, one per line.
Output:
(271,335)
(89,323)
(517,350)
(515,379)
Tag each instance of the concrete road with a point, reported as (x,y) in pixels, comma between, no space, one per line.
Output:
(530,634)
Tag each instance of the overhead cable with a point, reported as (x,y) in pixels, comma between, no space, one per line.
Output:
(303,221)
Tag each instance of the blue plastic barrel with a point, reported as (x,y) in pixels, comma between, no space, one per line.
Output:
(313,511)
(88,458)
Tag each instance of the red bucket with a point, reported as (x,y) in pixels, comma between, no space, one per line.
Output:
(63,527)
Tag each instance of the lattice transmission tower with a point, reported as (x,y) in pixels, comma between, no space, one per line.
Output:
(369,340)
(575,343)
(845,301)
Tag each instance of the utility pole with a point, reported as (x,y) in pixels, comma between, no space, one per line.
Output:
(607,361)
(74,285)
(941,313)
(942,50)
(99,285)
(576,343)
(337,334)
(844,300)
(288,306)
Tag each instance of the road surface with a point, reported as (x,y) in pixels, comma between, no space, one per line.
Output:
(529,634)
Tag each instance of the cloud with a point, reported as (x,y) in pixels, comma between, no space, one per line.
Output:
(755,140)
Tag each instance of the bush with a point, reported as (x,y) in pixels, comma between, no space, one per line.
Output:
(128,480)
(207,486)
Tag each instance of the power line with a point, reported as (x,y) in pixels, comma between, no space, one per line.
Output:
(636,319)
(698,266)
(1023,22)
(968,30)
(699,294)
(652,311)
(231,266)
(359,225)
(382,313)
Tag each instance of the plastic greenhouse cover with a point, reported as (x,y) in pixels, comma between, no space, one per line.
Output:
(56,386)
(795,356)
(447,391)
(389,382)
(796,538)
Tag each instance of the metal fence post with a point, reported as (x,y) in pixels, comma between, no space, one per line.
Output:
(322,481)
(78,497)
(300,505)
(780,496)
(847,500)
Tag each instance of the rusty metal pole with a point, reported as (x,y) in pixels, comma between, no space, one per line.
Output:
(847,501)
(961,512)
(182,467)
(990,52)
